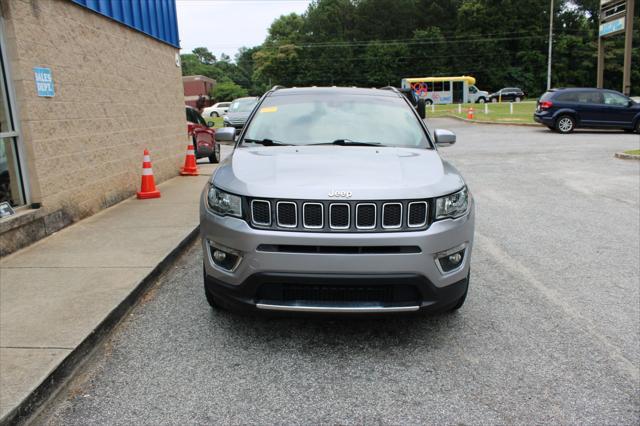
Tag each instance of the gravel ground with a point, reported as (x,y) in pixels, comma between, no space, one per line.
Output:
(549,333)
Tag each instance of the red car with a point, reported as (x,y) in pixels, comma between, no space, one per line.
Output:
(204,138)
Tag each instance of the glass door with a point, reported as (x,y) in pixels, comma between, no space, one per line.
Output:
(12,188)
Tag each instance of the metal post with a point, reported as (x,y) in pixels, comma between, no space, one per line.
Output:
(550,46)
(628,38)
(511,108)
(486,108)
(600,73)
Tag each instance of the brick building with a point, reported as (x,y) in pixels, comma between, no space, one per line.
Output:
(86,86)
(196,85)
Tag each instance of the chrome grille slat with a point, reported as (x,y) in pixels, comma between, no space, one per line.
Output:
(363,221)
(392,215)
(310,213)
(337,216)
(417,213)
(287,218)
(261,212)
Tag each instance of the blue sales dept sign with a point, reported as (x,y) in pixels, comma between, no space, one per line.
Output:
(612,27)
(44,82)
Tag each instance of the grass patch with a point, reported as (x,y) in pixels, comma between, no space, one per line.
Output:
(633,152)
(217,121)
(496,112)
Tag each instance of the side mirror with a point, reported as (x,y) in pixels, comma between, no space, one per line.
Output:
(226,134)
(421,107)
(444,137)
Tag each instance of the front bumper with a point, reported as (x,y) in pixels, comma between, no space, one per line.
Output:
(405,281)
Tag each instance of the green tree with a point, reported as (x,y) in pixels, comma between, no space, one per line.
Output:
(204,55)
(227,91)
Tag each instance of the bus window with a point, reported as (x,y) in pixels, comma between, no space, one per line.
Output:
(473,89)
(446,86)
(437,86)
(429,86)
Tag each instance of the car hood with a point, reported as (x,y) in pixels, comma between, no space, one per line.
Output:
(312,172)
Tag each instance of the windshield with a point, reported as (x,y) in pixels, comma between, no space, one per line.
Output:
(242,105)
(327,118)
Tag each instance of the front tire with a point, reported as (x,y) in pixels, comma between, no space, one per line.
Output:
(565,124)
(215,157)
(517,99)
(428,102)
(482,100)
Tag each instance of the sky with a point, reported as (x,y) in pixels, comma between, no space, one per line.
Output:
(226,25)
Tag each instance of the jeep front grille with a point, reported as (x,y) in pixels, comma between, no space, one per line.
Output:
(340,216)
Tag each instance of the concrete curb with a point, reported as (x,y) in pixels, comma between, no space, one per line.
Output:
(488,122)
(50,387)
(624,156)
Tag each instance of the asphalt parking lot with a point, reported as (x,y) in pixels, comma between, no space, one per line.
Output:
(549,332)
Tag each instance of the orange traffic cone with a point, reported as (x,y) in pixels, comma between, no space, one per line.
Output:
(470,114)
(190,168)
(148,186)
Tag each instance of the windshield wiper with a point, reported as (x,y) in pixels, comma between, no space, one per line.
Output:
(345,142)
(266,142)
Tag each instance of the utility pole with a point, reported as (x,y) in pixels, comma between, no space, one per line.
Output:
(628,38)
(550,45)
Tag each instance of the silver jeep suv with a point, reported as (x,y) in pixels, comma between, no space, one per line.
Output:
(335,200)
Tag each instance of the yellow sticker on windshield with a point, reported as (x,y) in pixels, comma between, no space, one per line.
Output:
(269,109)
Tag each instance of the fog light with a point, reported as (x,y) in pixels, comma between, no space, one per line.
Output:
(219,255)
(224,257)
(450,260)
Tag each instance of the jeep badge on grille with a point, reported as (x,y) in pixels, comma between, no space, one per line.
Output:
(340,194)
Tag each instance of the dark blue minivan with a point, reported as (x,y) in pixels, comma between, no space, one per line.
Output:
(564,110)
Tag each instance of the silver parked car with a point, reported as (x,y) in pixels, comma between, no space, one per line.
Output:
(239,111)
(336,200)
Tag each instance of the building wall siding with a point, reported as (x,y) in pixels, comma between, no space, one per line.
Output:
(117,92)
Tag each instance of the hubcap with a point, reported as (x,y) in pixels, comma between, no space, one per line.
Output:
(565,124)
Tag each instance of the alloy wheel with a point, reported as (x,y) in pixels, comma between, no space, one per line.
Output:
(565,124)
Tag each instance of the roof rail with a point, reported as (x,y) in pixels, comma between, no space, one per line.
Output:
(393,89)
(277,87)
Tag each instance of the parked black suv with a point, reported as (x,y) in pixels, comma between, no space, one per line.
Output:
(569,108)
(508,94)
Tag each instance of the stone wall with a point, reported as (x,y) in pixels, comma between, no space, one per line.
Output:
(117,91)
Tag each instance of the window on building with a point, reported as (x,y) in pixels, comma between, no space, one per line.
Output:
(11,175)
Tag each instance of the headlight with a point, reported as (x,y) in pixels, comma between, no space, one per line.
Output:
(224,203)
(452,206)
